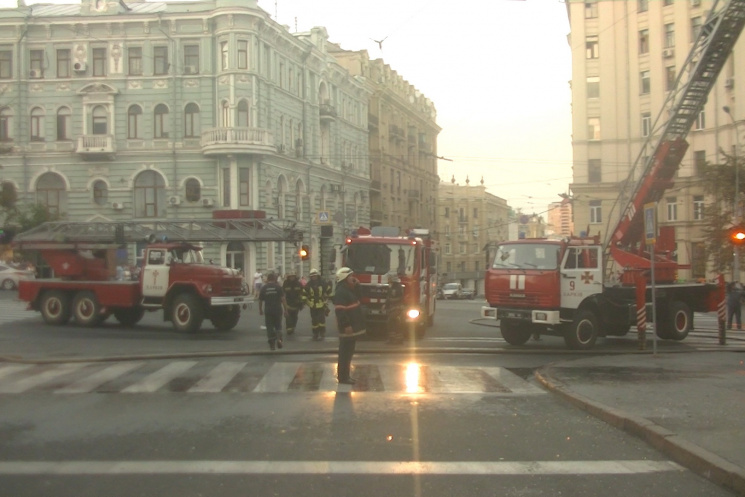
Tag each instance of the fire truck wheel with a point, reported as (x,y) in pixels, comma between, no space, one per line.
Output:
(583,332)
(226,317)
(86,310)
(187,313)
(9,284)
(55,307)
(514,332)
(129,316)
(677,322)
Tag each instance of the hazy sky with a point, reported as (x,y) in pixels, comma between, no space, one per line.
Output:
(497,71)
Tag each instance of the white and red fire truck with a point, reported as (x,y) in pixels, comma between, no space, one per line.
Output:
(580,288)
(376,253)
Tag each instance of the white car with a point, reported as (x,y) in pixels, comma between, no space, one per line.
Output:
(452,291)
(10,276)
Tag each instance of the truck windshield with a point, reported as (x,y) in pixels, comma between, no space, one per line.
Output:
(187,256)
(527,256)
(380,258)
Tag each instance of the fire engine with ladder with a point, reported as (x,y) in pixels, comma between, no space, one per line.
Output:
(582,289)
(173,277)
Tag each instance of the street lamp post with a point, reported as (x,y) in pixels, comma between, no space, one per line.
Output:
(735,213)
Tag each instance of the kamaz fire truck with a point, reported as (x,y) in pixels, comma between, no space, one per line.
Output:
(375,254)
(174,277)
(580,288)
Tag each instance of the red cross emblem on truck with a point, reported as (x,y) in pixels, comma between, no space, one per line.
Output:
(155,276)
(587,277)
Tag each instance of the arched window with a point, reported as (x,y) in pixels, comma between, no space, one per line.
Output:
(6,124)
(235,256)
(37,124)
(242,114)
(150,195)
(161,121)
(50,192)
(191,121)
(134,122)
(64,124)
(193,190)
(100,122)
(8,195)
(100,192)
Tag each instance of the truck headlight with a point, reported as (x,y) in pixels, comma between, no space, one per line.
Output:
(412,314)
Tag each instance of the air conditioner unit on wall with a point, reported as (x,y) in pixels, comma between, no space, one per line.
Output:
(668,52)
(207,202)
(190,69)
(34,73)
(729,83)
(117,206)
(174,200)
(79,66)
(695,3)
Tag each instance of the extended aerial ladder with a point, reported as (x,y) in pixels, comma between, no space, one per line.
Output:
(718,35)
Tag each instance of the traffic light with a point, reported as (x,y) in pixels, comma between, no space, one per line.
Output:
(737,235)
(304,252)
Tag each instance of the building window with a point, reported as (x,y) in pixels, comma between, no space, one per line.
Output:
(242,115)
(191,57)
(592,47)
(160,116)
(698,260)
(99,62)
(63,63)
(669,35)
(475,213)
(699,161)
(244,182)
(6,64)
(644,41)
(100,192)
(644,82)
(670,78)
(646,124)
(594,171)
(37,64)
(134,61)
(50,192)
(224,55)
(700,120)
(642,5)
(242,54)
(593,128)
(100,121)
(591,9)
(672,208)
(6,124)
(593,87)
(37,124)
(160,61)
(8,195)
(64,123)
(193,190)
(150,195)
(698,207)
(192,125)
(596,212)
(226,187)
(695,28)
(448,250)
(134,122)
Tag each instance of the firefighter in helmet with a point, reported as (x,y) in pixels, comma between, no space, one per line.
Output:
(316,298)
(294,294)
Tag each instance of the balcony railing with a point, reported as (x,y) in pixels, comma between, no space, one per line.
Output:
(95,146)
(238,140)
(327,111)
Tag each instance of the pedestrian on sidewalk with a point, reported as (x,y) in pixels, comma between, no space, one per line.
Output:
(317,296)
(258,283)
(272,306)
(294,298)
(734,304)
(349,319)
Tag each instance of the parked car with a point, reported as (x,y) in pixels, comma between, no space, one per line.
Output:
(452,291)
(10,276)
(468,293)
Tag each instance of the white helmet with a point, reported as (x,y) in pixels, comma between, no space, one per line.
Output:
(342,274)
(314,272)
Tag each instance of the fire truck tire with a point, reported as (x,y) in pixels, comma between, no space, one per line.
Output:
(129,316)
(55,307)
(187,313)
(676,322)
(9,284)
(226,318)
(582,333)
(86,310)
(514,332)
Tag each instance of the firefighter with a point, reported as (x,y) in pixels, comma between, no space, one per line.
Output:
(316,298)
(349,319)
(294,297)
(394,308)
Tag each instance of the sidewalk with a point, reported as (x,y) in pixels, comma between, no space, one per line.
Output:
(690,406)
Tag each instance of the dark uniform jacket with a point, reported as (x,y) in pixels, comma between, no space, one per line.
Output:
(348,309)
(293,293)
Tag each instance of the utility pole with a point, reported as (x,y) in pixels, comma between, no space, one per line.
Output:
(736,202)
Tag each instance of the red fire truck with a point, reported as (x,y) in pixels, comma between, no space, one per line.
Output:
(174,277)
(374,254)
(580,288)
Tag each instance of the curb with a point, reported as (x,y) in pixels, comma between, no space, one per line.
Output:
(697,459)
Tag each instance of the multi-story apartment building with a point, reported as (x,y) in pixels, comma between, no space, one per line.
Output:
(559,219)
(625,60)
(469,220)
(403,145)
(120,110)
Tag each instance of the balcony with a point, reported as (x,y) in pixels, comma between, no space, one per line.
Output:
(96,147)
(251,141)
(327,112)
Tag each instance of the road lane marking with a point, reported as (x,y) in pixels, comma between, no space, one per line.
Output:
(30,382)
(98,378)
(218,378)
(532,468)
(13,368)
(159,378)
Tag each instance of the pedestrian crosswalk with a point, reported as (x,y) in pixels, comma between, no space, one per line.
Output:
(204,377)
(15,310)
